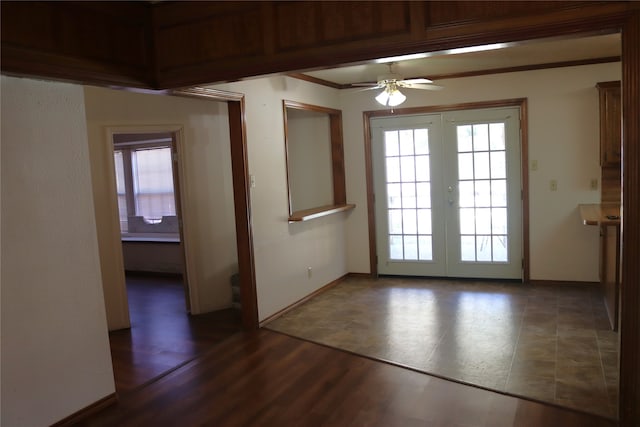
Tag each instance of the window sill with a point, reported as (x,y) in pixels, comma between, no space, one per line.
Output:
(313,213)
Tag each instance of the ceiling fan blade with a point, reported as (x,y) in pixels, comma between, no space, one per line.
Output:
(364,84)
(359,87)
(422,86)
(414,81)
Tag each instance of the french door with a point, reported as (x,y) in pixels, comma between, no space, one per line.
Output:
(448,194)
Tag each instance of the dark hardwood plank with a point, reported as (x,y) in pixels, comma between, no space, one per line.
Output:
(268,379)
(163,336)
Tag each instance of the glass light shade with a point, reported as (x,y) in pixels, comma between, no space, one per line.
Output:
(391,97)
(383,97)
(396,98)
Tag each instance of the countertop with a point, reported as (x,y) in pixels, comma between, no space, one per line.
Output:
(600,214)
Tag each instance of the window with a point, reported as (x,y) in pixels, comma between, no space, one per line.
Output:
(315,161)
(145,185)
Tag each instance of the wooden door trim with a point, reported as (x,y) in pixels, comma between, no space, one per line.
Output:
(399,112)
(630,280)
(241,195)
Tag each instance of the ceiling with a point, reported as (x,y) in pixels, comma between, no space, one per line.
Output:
(448,64)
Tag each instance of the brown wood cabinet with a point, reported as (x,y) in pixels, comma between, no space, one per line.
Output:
(610,123)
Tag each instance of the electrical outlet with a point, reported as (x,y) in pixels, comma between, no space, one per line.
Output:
(594,184)
(553,185)
(309,272)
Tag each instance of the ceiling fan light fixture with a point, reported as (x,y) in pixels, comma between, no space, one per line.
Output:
(391,96)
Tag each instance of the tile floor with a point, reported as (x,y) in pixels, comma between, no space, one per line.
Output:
(549,343)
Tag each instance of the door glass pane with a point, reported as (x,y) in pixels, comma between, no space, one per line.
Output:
(498,165)
(499,192)
(409,221)
(406,142)
(483,248)
(424,221)
(499,221)
(483,221)
(395,247)
(500,248)
(421,141)
(467,248)
(407,169)
(480,137)
(393,196)
(466,194)
(391,143)
(496,135)
(425,248)
(481,167)
(467,221)
(422,168)
(410,247)
(482,192)
(465,142)
(395,221)
(409,195)
(423,196)
(393,169)
(465,166)
(408,187)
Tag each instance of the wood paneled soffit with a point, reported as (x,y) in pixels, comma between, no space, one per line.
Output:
(177,44)
(80,41)
(221,42)
(189,34)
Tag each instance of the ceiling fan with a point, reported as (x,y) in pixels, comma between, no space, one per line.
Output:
(392,82)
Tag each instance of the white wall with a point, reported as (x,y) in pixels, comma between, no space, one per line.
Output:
(283,251)
(55,347)
(153,257)
(206,183)
(563,138)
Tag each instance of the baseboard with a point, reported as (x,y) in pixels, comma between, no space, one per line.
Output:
(361,275)
(90,410)
(561,283)
(303,300)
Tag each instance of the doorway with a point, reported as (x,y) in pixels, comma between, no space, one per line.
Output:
(149,206)
(450,194)
(207,136)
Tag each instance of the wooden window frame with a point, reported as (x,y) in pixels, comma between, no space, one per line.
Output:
(337,163)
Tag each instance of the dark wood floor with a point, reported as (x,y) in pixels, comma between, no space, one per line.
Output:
(270,379)
(162,335)
(174,369)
